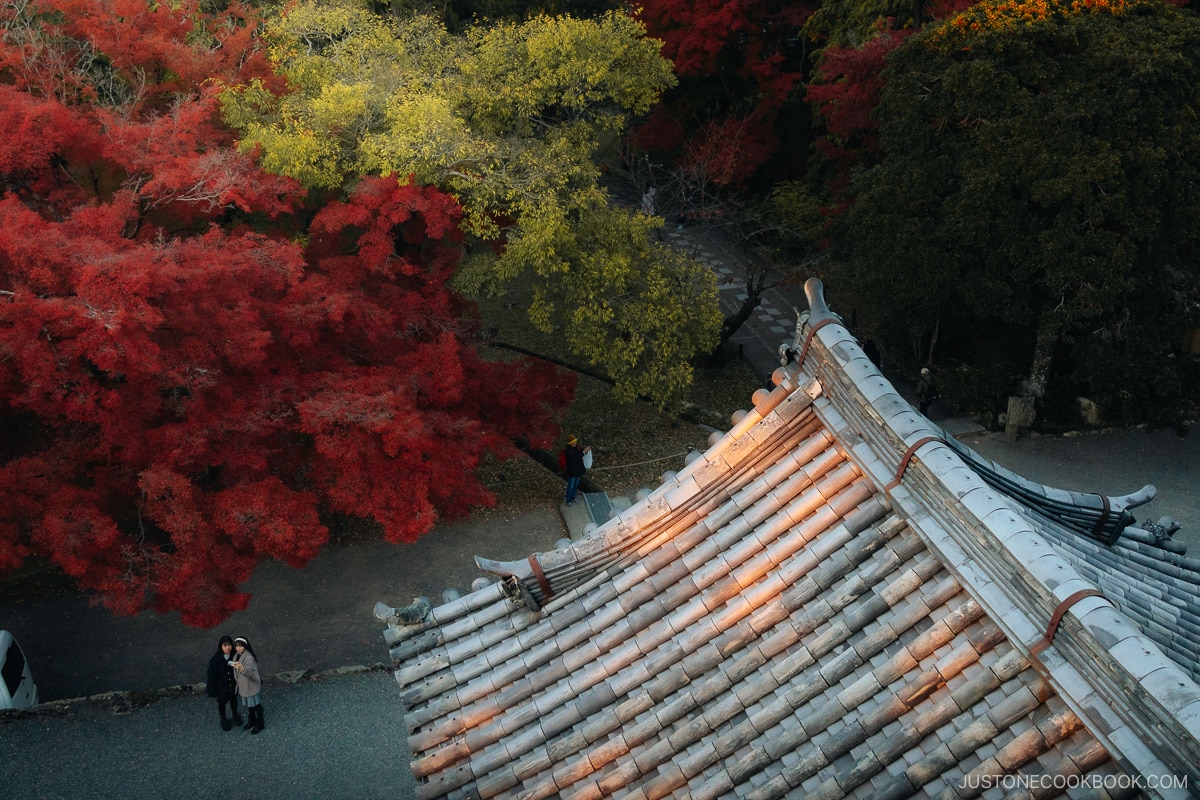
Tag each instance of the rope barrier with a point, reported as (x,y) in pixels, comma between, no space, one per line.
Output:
(637,463)
(548,476)
(594,469)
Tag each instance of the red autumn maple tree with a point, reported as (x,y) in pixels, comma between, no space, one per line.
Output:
(737,65)
(845,88)
(844,93)
(196,360)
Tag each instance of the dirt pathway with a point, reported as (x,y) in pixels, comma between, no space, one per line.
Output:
(317,618)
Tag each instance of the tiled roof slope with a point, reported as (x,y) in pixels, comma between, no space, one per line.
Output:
(1157,588)
(786,618)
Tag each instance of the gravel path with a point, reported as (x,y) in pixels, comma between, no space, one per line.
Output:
(336,737)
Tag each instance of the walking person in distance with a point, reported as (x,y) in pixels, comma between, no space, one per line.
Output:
(926,390)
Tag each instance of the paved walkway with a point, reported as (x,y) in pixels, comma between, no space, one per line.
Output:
(314,619)
(772,323)
(328,739)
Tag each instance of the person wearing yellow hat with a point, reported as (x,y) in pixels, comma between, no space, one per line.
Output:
(574,462)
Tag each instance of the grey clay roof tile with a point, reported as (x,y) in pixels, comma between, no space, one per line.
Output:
(781,618)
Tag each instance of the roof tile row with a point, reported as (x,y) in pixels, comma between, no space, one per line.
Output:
(783,618)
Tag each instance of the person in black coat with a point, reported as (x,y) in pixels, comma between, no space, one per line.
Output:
(926,390)
(574,461)
(222,683)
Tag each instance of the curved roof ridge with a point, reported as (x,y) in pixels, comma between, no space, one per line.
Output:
(1102,517)
(1169,615)
(1157,536)
(828,602)
(1015,573)
(764,446)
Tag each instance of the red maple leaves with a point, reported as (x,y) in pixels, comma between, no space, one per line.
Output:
(847,89)
(193,364)
(701,38)
(752,52)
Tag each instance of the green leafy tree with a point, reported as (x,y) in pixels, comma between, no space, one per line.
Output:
(849,24)
(1040,176)
(853,23)
(457,14)
(508,119)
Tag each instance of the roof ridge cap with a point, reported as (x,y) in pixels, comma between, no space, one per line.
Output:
(1018,577)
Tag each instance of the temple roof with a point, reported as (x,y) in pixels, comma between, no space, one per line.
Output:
(836,599)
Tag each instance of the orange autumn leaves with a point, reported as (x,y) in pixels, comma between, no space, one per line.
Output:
(1009,15)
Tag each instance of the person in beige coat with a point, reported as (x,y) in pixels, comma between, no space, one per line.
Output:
(249,683)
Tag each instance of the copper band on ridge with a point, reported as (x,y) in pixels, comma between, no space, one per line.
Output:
(1056,618)
(541,576)
(908,455)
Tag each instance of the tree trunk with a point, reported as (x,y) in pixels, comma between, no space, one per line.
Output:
(549,460)
(555,361)
(731,324)
(756,283)
(1022,410)
(1043,354)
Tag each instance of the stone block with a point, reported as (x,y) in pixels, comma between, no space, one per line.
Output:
(1021,414)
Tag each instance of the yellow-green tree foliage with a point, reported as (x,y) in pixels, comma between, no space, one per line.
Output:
(509,119)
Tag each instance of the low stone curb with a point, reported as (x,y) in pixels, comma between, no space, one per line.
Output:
(125,702)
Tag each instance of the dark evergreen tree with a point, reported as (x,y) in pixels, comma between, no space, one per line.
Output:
(1040,176)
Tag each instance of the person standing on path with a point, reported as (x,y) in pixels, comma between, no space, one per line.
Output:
(574,461)
(249,683)
(926,390)
(222,684)
(648,201)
